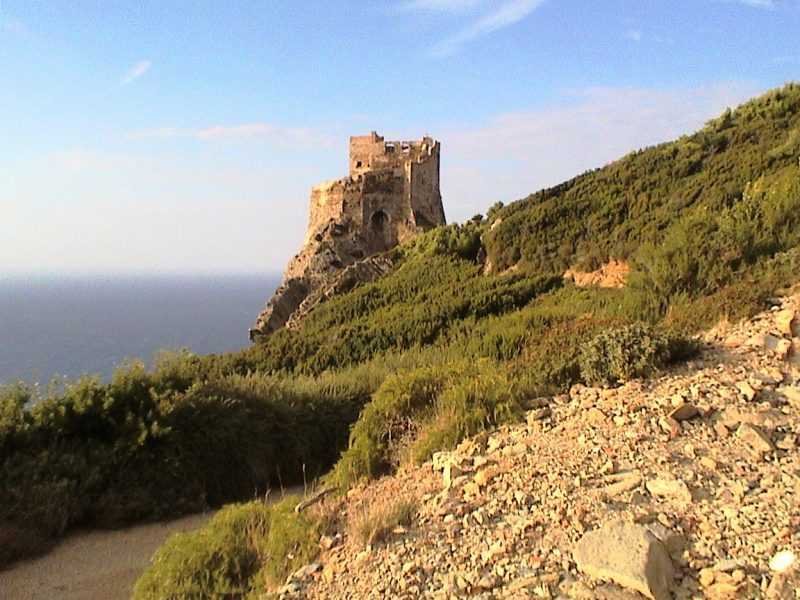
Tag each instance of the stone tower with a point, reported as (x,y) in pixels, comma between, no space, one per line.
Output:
(391,195)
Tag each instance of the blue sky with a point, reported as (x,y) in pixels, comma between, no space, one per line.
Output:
(168,137)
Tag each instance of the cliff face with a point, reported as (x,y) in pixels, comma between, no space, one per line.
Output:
(391,195)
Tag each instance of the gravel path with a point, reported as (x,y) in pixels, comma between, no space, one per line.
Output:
(96,565)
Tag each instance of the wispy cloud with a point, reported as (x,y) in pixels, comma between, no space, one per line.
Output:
(758,3)
(445,6)
(509,13)
(287,136)
(136,71)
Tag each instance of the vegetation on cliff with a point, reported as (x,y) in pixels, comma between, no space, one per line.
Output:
(435,351)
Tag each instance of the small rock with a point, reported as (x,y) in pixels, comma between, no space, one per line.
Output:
(778,345)
(451,472)
(625,482)
(537,415)
(484,476)
(706,577)
(670,426)
(783,561)
(628,555)
(684,412)
(791,393)
(487,582)
(596,417)
(673,542)
(788,323)
(709,463)
(327,542)
(755,438)
(674,489)
(746,390)
(786,580)
(728,566)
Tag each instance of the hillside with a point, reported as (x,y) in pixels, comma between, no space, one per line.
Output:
(703,458)
(446,346)
(641,199)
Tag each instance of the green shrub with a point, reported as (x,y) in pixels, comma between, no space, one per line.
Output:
(219,560)
(619,355)
(243,549)
(292,542)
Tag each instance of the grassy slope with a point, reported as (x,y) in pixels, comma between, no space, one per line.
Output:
(710,222)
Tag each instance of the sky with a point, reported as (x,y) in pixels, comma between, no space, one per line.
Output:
(184,137)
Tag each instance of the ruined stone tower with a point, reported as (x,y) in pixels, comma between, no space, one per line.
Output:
(391,195)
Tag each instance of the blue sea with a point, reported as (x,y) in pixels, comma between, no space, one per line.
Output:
(69,326)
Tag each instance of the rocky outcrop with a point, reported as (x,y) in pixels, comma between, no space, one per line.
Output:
(613,274)
(330,251)
(391,195)
(364,271)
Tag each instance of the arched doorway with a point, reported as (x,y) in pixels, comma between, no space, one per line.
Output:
(380,230)
(379,221)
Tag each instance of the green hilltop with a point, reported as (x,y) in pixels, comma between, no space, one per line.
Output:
(441,348)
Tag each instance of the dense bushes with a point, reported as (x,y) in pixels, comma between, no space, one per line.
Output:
(148,445)
(706,251)
(242,550)
(419,304)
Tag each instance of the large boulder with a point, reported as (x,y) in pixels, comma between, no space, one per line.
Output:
(629,555)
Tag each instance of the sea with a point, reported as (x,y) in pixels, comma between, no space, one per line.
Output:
(56,327)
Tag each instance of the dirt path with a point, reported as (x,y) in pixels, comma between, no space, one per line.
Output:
(96,565)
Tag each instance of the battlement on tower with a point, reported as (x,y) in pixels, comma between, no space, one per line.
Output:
(372,152)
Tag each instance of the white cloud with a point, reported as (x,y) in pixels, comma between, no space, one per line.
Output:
(136,71)
(634,35)
(285,136)
(509,13)
(513,155)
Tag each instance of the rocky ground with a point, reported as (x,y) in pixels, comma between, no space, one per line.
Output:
(682,486)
